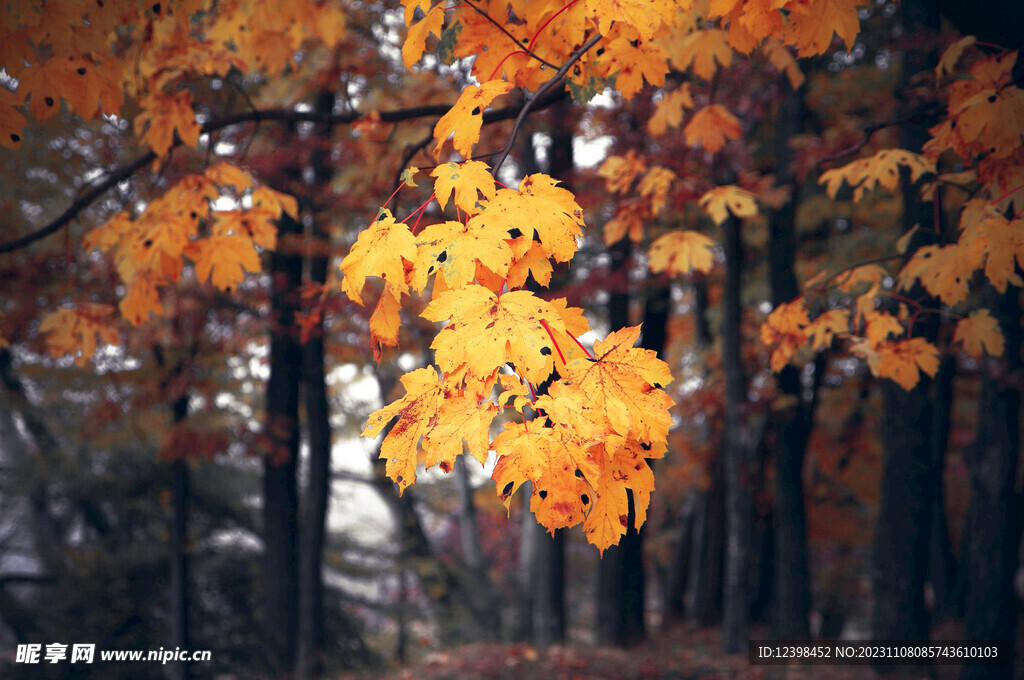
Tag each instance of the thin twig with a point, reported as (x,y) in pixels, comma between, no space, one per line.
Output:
(545,88)
(528,50)
(870,130)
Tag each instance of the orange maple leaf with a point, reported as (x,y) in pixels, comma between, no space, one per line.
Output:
(711,127)
(979,333)
(467,116)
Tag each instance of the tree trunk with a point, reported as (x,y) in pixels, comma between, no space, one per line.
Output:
(792,424)
(281,430)
(481,598)
(313,530)
(942,567)
(994,514)
(740,449)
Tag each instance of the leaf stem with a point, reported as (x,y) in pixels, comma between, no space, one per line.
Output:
(561,356)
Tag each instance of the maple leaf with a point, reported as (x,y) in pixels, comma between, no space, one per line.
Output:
(424,394)
(668,112)
(164,114)
(385,321)
(486,330)
(467,115)
(223,259)
(416,39)
(379,251)
(466,180)
(538,207)
(782,59)
(826,326)
(980,333)
(902,360)
(810,28)
(626,383)
(703,52)
(785,332)
(943,270)
(880,325)
(141,300)
(711,127)
(994,119)
(408,176)
(620,172)
(11,120)
(633,64)
(655,185)
(454,249)
(682,252)
(646,16)
(722,201)
(534,262)
(991,241)
(621,469)
(883,169)
(629,219)
(75,330)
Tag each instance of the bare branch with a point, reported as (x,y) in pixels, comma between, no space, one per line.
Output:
(118,175)
(532,102)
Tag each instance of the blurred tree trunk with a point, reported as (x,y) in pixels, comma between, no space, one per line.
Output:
(694,585)
(281,431)
(313,530)
(942,567)
(740,450)
(903,534)
(994,515)
(171,387)
(793,423)
(481,597)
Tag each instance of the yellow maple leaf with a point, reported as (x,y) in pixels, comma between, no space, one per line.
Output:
(141,300)
(655,185)
(379,251)
(992,242)
(681,252)
(534,262)
(880,325)
(809,28)
(467,180)
(782,59)
(467,116)
(703,52)
(721,201)
(785,332)
(487,330)
(538,207)
(424,394)
(77,330)
(711,127)
(223,259)
(980,333)
(455,248)
(668,112)
(646,16)
(628,220)
(416,39)
(826,326)
(883,169)
(633,63)
(619,469)
(625,382)
(620,172)
(902,360)
(385,321)
(993,120)
(944,271)
(164,114)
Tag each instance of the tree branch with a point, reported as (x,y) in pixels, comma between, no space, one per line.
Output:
(870,130)
(119,175)
(532,102)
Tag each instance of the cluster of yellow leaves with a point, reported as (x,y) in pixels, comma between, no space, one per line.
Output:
(521,42)
(604,415)
(92,53)
(150,249)
(984,134)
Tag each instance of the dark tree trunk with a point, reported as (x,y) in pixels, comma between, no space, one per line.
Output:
(942,567)
(792,424)
(903,535)
(994,514)
(740,447)
(313,530)
(281,431)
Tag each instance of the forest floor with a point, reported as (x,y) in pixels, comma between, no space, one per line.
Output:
(675,654)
